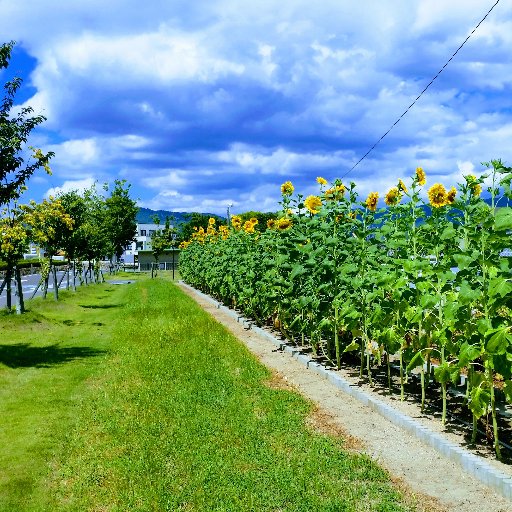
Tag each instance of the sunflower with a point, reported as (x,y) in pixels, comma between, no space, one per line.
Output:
(402,187)
(287,188)
(248,226)
(372,200)
(321,181)
(421,176)
(313,204)
(283,223)
(437,195)
(271,223)
(236,222)
(393,197)
(450,197)
(474,185)
(224,232)
(335,193)
(254,220)
(211,221)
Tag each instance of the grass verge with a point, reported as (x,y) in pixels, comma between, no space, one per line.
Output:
(161,409)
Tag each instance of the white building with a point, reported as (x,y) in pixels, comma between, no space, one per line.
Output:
(142,241)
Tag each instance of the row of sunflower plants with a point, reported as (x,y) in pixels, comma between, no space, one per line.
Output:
(422,283)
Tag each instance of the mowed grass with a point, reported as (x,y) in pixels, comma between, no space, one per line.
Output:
(131,398)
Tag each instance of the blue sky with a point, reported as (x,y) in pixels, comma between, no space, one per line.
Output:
(200,104)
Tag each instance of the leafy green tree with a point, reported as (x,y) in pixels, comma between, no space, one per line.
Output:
(262,217)
(47,222)
(74,241)
(13,244)
(195,221)
(120,218)
(162,240)
(94,232)
(15,128)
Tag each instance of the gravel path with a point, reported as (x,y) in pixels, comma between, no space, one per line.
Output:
(438,483)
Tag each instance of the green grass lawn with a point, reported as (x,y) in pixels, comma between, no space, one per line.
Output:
(131,398)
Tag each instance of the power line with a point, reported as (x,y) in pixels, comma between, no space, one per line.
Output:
(422,92)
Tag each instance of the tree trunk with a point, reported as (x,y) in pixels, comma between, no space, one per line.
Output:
(45,285)
(20,303)
(8,291)
(55,284)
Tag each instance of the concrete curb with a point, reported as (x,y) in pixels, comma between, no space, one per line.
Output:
(472,464)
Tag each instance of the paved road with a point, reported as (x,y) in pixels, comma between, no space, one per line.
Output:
(29,284)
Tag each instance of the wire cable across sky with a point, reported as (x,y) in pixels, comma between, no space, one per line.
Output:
(423,91)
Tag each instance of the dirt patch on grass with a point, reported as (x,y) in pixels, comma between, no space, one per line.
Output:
(321,421)
(421,502)
(279,381)
(425,477)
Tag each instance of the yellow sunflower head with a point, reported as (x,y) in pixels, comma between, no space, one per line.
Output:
(476,188)
(271,223)
(236,222)
(283,223)
(287,188)
(313,204)
(402,187)
(211,221)
(393,197)
(335,193)
(437,195)
(371,201)
(248,226)
(421,177)
(321,181)
(450,196)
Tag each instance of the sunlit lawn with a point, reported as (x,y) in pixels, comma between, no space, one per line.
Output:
(130,397)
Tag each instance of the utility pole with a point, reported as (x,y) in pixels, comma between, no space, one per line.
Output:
(229,213)
(173,249)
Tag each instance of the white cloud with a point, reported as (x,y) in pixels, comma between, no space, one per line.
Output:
(69,186)
(171,178)
(211,102)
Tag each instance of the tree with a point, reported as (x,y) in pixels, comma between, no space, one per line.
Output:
(262,217)
(15,129)
(74,241)
(94,232)
(120,219)
(197,220)
(48,224)
(164,239)
(13,244)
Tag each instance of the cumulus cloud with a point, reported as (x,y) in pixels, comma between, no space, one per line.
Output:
(69,186)
(207,103)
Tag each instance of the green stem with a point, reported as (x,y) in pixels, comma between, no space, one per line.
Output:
(493,411)
(389,372)
(475,429)
(429,368)
(422,374)
(402,393)
(443,387)
(336,338)
(361,368)
(368,368)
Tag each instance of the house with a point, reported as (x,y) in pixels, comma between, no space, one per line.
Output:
(142,241)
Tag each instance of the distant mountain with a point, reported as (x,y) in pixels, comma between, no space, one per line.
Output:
(145,216)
